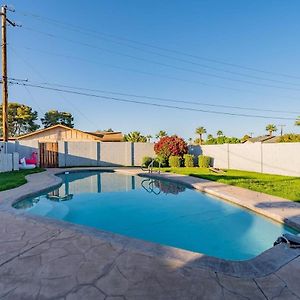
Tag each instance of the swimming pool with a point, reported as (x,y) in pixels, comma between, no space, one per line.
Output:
(157,211)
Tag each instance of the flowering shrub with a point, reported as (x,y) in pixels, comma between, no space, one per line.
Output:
(170,146)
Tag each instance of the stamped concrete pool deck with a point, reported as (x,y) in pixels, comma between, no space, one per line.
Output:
(47,259)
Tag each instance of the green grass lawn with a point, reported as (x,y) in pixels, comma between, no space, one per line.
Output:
(282,186)
(10,180)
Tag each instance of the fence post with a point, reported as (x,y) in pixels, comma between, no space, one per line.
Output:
(98,153)
(228,157)
(132,154)
(261,158)
(15,161)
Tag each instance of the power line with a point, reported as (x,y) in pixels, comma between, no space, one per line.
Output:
(143,72)
(87,30)
(34,100)
(140,72)
(160,98)
(150,104)
(159,63)
(42,76)
(191,62)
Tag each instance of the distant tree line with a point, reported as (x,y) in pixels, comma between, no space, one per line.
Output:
(23,119)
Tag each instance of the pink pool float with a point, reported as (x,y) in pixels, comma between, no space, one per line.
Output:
(28,163)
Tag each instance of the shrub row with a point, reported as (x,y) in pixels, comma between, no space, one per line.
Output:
(177,161)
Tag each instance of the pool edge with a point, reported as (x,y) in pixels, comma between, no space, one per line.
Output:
(264,264)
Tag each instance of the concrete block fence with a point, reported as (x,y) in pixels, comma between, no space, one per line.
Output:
(72,154)
(8,161)
(273,158)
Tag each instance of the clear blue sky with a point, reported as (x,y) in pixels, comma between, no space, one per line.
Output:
(257,34)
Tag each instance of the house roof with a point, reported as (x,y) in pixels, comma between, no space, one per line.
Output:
(263,139)
(101,136)
(108,136)
(9,139)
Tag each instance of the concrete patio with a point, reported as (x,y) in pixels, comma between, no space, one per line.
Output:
(47,259)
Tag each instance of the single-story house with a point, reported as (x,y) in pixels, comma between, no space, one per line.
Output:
(263,139)
(63,133)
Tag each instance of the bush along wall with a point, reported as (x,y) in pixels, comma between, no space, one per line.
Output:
(146,161)
(174,161)
(204,161)
(188,160)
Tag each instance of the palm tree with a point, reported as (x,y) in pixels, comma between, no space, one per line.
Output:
(200,131)
(135,137)
(271,128)
(297,123)
(220,133)
(161,134)
(149,137)
(210,137)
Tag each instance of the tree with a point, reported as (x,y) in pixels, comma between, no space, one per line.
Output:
(220,133)
(200,131)
(210,137)
(170,145)
(149,137)
(271,128)
(54,117)
(297,122)
(222,140)
(290,138)
(21,119)
(135,137)
(245,138)
(107,130)
(161,134)
(104,130)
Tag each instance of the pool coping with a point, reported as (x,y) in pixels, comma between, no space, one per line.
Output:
(264,264)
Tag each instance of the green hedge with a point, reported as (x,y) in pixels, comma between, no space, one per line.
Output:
(188,160)
(146,161)
(204,161)
(174,161)
(162,160)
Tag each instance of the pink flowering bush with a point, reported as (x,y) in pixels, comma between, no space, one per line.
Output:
(170,146)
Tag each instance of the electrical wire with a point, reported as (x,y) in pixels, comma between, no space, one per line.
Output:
(91,31)
(161,98)
(42,76)
(150,103)
(157,62)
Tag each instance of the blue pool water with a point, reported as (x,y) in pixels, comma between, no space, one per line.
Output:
(157,211)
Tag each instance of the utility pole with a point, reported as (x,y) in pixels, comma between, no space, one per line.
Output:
(4,21)
(281,128)
(4,77)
